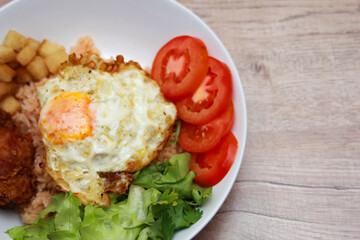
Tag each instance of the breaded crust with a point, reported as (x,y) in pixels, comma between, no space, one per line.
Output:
(16,164)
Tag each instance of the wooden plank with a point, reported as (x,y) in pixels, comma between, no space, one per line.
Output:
(252,226)
(259,210)
(299,65)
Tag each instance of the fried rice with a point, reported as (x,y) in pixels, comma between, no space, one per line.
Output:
(27,121)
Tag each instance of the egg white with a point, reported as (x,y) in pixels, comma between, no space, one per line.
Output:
(132,121)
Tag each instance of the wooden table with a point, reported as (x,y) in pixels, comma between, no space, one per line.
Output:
(299,62)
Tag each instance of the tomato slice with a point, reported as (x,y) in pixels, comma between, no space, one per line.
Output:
(180,66)
(211,98)
(211,167)
(202,138)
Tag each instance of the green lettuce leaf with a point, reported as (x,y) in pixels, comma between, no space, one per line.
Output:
(170,217)
(68,214)
(177,132)
(63,235)
(67,219)
(173,175)
(162,199)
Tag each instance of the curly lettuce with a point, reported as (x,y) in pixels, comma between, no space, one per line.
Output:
(173,175)
(161,200)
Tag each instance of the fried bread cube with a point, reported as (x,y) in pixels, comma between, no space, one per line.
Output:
(25,56)
(6,89)
(47,47)
(10,105)
(7,54)
(22,75)
(6,73)
(54,60)
(32,43)
(37,68)
(14,40)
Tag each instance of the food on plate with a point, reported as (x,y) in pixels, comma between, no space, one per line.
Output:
(37,68)
(48,47)
(211,98)
(180,66)
(202,138)
(103,132)
(22,75)
(38,58)
(10,105)
(18,97)
(14,40)
(7,89)
(54,60)
(23,60)
(21,91)
(162,201)
(32,43)
(84,46)
(212,166)
(100,117)
(27,121)
(206,110)
(6,73)
(26,55)
(7,54)
(16,159)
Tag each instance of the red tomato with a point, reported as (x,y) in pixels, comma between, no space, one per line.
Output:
(212,166)
(211,98)
(180,66)
(202,138)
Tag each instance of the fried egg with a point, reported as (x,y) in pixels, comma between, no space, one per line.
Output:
(101,117)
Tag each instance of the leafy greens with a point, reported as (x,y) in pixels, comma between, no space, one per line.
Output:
(177,132)
(161,199)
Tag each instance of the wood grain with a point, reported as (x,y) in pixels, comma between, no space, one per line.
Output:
(299,62)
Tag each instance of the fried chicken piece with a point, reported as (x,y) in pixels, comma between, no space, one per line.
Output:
(16,164)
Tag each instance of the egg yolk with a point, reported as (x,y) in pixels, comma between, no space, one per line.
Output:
(67,117)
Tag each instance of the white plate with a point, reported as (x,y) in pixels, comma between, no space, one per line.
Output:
(135,29)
